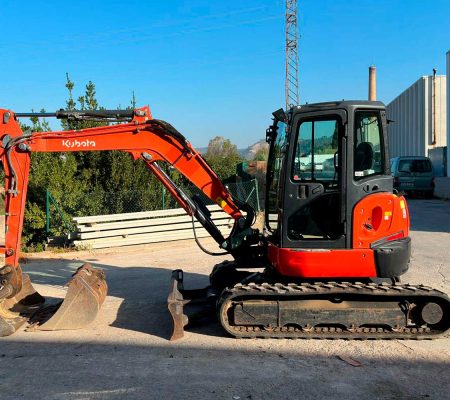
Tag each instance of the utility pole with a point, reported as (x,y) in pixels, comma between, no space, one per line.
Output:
(291,81)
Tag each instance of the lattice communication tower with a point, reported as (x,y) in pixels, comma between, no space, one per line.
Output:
(291,82)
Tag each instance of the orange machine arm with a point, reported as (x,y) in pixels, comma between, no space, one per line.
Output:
(143,137)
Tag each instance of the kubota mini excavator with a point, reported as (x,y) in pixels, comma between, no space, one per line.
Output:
(327,264)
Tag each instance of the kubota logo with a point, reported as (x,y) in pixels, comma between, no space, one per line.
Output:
(77,143)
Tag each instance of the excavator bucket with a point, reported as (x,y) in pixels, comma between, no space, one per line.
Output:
(15,311)
(86,293)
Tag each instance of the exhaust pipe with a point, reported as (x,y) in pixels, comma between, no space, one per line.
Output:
(372,83)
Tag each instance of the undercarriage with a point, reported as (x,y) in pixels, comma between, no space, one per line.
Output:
(260,305)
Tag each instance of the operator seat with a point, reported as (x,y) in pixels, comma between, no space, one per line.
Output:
(364,156)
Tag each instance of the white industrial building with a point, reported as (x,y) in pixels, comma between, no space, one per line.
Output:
(418,124)
(421,122)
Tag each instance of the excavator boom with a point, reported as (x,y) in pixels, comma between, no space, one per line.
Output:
(144,138)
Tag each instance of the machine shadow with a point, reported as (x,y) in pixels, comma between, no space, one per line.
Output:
(142,292)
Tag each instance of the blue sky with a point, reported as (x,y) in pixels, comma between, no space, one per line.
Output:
(214,67)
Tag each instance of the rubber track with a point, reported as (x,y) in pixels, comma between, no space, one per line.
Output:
(322,290)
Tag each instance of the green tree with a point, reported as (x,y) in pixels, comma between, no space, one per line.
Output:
(223,157)
(85,183)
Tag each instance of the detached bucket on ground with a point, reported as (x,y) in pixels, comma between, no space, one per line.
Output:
(85,295)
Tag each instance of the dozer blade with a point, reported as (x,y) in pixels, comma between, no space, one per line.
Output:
(175,303)
(15,311)
(86,293)
(201,304)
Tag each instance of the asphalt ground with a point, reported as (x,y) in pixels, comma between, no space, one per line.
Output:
(125,353)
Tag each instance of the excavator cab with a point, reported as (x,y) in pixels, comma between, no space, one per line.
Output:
(335,239)
(324,160)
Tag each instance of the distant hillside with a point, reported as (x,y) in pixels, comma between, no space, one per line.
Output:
(248,153)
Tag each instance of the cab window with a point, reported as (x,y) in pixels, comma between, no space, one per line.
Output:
(316,151)
(369,154)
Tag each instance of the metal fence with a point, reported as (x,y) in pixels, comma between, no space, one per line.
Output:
(246,191)
(57,216)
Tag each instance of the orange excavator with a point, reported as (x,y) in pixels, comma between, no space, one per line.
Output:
(326,264)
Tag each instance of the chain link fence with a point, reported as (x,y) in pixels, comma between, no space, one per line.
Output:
(245,191)
(57,216)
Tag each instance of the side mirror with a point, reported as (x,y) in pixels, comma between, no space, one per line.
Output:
(280,115)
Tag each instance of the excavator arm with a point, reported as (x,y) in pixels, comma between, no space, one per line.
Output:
(153,141)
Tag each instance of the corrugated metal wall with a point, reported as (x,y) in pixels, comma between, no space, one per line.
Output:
(407,111)
(412,111)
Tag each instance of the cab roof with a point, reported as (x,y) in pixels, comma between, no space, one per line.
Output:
(340,104)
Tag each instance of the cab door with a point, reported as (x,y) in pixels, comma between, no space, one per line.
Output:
(368,168)
(314,192)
